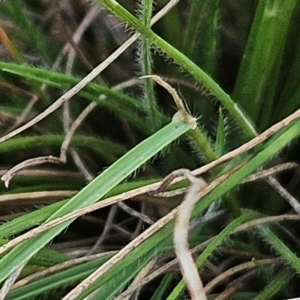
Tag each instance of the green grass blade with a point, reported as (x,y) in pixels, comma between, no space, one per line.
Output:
(274,145)
(125,105)
(29,220)
(278,283)
(118,282)
(39,216)
(261,56)
(200,38)
(191,30)
(95,190)
(282,249)
(289,96)
(110,150)
(201,145)
(131,264)
(145,61)
(164,285)
(68,276)
(64,81)
(251,48)
(286,107)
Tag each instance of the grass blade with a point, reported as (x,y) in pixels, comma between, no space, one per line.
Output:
(262,54)
(94,191)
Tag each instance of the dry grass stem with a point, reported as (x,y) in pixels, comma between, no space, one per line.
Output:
(285,194)
(271,171)
(112,43)
(7,286)
(236,269)
(142,237)
(228,292)
(45,195)
(26,164)
(81,166)
(65,144)
(264,220)
(148,279)
(203,245)
(56,268)
(268,176)
(106,229)
(139,239)
(181,230)
(129,291)
(135,213)
(182,111)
